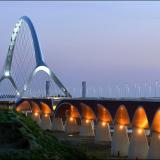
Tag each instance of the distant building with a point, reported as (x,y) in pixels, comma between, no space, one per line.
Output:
(83,89)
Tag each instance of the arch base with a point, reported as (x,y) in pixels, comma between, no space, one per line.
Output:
(138,148)
(87,128)
(120,141)
(102,132)
(154,152)
(57,124)
(36,118)
(71,126)
(46,122)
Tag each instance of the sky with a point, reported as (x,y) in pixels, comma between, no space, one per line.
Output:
(102,43)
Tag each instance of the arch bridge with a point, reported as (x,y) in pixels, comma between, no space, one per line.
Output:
(87,117)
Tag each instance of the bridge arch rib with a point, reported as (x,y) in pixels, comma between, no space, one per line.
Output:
(40,64)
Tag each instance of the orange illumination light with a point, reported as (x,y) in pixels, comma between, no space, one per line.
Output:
(46,115)
(87,121)
(45,108)
(71,118)
(155,123)
(23,106)
(140,119)
(139,131)
(74,112)
(18,109)
(103,114)
(103,123)
(121,127)
(36,114)
(87,112)
(122,116)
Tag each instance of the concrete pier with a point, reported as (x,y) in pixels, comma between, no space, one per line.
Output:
(120,141)
(57,124)
(36,118)
(102,132)
(71,125)
(87,128)
(138,148)
(46,122)
(154,148)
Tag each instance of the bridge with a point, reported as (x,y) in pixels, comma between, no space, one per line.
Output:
(132,126)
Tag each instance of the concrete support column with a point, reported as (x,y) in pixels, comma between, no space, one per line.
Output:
(154,148)
(71,125)
(87,128)
(120,141)
(102,132)
(57,124)
(46,122)
(138,148)
(36,118)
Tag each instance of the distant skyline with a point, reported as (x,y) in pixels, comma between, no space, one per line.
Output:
(103,43)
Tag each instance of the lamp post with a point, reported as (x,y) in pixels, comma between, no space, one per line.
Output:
(150,91)
(156,83)
(118,90)
(109,91)
(100,91)
(126,89)
(145,89)
(135,87)
(139,91)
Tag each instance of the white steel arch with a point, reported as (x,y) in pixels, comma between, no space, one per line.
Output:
(40,64)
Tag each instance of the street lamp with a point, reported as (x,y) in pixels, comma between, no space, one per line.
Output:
(156,83)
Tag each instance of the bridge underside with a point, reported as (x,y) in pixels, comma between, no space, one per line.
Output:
(90,108)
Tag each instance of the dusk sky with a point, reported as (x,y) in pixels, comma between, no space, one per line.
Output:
(103,43)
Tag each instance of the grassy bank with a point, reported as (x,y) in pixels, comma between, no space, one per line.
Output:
(21,138)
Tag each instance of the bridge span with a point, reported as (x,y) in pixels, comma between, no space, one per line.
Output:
(150,105)
(132,126)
